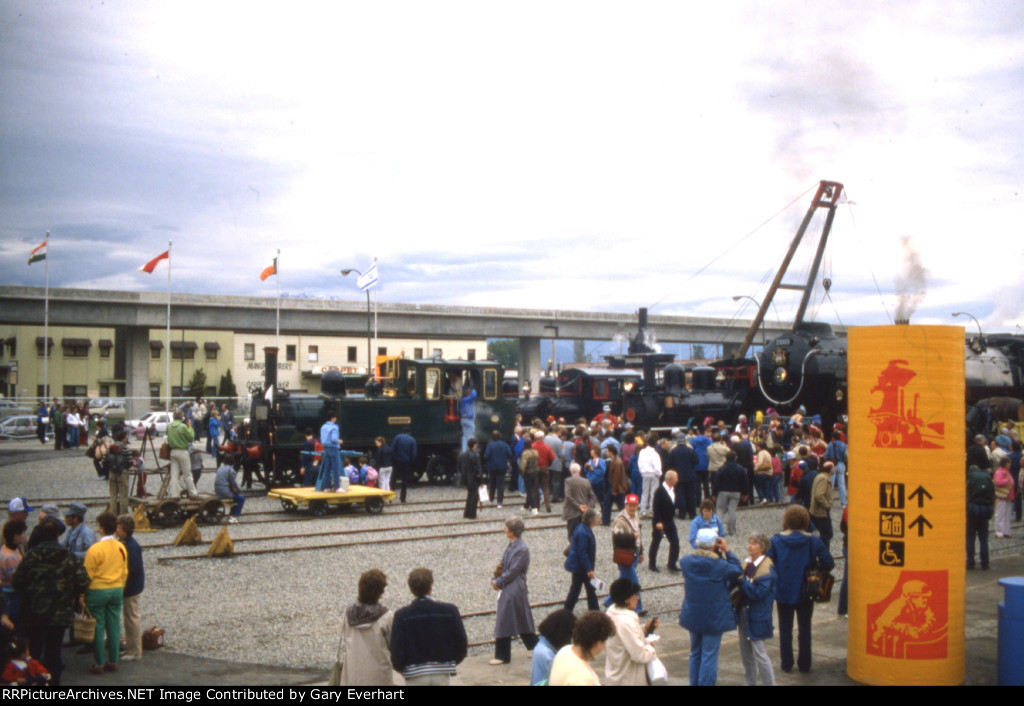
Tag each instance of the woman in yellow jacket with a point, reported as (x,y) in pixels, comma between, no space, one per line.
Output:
(107,564)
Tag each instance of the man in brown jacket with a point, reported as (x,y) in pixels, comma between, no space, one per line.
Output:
(579,495)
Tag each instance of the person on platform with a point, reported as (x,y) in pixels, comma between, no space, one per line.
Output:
(794,551)
(628,651)
(366,635)
(757,585)
(384,459)
(107,564)
(555,633)
(707,612)
(404,449)
(133,587)
(706,519)
(664,523)
(428,638)
(225,485)
(571,666)
(514,616)
(471,470)
(579,497)
(497,458)
(80,536)
(330,467)
(981,498)
(581,560)
(649,463)
(179,438)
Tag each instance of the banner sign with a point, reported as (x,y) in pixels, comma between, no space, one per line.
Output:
(907,514)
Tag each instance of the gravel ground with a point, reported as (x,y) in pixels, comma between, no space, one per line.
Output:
(286,608)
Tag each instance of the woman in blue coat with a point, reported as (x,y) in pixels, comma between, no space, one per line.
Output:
(793,551)
(707,612)
(755,618)
(580,562)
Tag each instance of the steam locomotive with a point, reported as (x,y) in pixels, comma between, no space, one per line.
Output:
(419,394)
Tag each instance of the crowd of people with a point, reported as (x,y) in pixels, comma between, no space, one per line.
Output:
(698,475)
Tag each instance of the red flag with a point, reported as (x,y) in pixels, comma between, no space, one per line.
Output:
(269,271)
(151,265)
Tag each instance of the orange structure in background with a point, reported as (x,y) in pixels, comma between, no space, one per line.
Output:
(907,505)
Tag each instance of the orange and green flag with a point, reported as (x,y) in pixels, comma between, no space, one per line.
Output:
(38,253)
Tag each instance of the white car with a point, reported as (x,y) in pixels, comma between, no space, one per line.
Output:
(20,427)
(161,420)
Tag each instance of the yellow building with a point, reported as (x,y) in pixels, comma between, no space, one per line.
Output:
(91,362)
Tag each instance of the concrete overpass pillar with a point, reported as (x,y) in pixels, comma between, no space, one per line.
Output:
(529,362)
(136,351)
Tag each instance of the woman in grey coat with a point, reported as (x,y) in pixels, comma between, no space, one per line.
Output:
(514,616)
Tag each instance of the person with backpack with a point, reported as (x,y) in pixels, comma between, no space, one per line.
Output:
(981,499)
(118,463)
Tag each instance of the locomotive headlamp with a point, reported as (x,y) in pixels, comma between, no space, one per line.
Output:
(628,386)
(839,394)
(780,375)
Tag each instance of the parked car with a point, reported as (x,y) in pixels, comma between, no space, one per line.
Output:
(10,408)
(161,420)
(21,426)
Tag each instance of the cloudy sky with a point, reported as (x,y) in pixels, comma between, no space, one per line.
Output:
(576,155)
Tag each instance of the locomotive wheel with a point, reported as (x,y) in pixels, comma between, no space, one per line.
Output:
(440,471)
(288,505)
(374,506)
(212,511)
(167,513)
(318,507)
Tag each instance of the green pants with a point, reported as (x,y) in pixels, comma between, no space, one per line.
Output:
(105,606)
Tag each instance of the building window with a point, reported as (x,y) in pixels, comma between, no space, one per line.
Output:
(43,392)
(183,350)
(417,353)
(12,346)
(211,390)
(314,354)
(212,349)
(42,350)
(351,354)
(289,353)
(382,350)
(154,393)
(471,354)
(74,391)
(105,345)
(250,351)
(154,349)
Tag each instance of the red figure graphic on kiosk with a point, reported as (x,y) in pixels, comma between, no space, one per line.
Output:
(911,622)
(896,425)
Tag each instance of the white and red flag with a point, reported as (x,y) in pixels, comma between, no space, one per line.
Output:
(151,265)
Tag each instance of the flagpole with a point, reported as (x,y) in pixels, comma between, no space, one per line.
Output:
(46,325)
(277,325)
(376,299)
(167,376)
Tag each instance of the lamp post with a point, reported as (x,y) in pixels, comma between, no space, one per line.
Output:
(764,324)
(981,336)
(369,333)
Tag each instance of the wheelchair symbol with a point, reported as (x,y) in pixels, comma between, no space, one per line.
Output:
(890,556)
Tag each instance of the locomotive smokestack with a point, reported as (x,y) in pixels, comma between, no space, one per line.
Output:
(643,318)
(270,367)
(903,321)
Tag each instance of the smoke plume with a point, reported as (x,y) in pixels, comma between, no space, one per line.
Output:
(911,283)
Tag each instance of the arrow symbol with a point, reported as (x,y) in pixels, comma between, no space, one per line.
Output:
(920,522)
(920,492)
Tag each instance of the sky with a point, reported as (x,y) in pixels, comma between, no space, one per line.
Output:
(556,155)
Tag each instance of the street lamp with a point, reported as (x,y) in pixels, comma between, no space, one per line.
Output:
(981,336)
(764,324)
(369,336)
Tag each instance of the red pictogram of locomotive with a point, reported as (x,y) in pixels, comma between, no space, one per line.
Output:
(898,426)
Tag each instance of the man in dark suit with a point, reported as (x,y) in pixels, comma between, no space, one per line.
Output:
(664,523)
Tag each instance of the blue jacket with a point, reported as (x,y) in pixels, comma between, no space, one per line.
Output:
(329,437)
(700,445)
(136,571)
(582,551)
(759,596)
(706,606)
(467,405)
(791,553)
(699,523)
(404,448)
(497,456)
